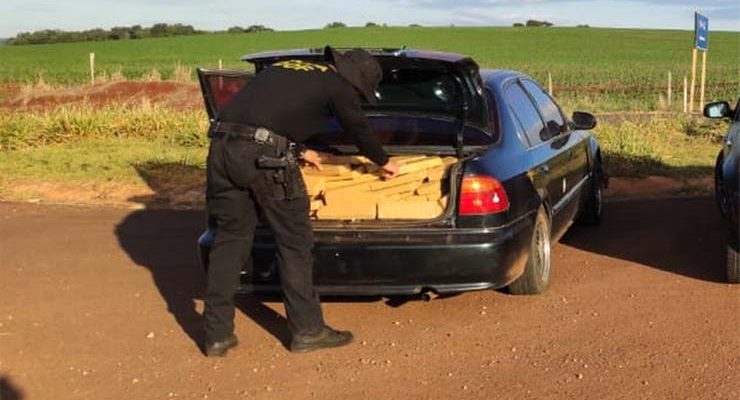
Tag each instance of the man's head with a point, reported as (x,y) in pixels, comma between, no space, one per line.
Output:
(358,67)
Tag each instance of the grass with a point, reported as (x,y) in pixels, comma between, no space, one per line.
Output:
(82,123)
(679,147)
(95,160)
(616,69)
(138,147)
(147,147)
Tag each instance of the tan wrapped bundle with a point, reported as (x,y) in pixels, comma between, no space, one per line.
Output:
(351,188)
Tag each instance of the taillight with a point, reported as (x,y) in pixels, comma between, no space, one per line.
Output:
(481,194)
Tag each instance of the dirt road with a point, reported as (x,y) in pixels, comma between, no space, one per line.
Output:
(104,304)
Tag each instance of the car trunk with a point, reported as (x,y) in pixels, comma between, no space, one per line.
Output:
(430,141)
(350,188)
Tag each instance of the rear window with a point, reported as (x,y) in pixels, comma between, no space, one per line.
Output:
(419,89)
(419,105)
(407,131)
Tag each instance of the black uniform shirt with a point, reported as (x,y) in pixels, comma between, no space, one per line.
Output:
(296,99)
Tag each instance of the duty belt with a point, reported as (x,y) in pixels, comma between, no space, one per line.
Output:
(255,134)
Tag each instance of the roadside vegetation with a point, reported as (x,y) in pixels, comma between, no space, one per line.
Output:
(83,153)
(81,123)
(127,145)
(674,146)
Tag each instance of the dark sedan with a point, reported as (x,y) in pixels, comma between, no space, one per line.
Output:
(525,172)
(727,181)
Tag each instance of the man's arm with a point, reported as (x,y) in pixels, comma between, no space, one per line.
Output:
(345,105)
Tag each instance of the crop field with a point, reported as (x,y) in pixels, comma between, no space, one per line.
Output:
(606,69)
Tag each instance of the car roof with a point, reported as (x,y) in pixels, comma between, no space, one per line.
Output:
(378,52)
(491,76)
(497,77)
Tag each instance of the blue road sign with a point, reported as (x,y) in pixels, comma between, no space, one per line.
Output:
(701,32)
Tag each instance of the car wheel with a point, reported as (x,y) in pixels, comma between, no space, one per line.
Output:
(536,276)
(733,258)
(719,188)
(591,213)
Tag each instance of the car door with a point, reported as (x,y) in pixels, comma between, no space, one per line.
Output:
(569,148)
(547,160)
(731,157)
(219,86)
(733,135)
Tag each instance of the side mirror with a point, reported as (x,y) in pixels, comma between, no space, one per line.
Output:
(720,109)
(583,120)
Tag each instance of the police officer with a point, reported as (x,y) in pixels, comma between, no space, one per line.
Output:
(251,165)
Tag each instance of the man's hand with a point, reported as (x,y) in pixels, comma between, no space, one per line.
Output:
(390,169)
(312,158)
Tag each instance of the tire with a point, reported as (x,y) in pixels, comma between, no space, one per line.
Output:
(594,205)
(733,258)
(719,192)
(536,276)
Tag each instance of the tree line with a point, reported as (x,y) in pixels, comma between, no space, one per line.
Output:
(533,23)
(48,36)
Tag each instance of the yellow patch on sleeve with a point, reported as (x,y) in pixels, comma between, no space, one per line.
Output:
(300,65)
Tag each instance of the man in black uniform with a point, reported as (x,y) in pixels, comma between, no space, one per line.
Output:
(252,164)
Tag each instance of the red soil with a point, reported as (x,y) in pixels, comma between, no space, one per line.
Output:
(177,95)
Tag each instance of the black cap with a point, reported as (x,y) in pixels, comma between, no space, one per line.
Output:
(359,68)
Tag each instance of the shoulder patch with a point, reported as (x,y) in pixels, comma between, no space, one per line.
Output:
(300,65)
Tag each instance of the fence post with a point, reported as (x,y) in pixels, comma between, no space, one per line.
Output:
(670,89)
(549,83)
(92,68)
(685,94)
(703,78)
(693,80)
(220,64)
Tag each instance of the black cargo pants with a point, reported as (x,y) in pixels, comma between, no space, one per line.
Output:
(236,188)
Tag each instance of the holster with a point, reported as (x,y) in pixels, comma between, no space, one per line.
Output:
(270,162)
(281,161)
(285,172)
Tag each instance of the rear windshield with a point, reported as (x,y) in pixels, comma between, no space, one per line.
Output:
(419,103)
(395,130)
(418,89)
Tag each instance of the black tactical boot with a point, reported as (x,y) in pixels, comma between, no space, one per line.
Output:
(326,337)
(219,349)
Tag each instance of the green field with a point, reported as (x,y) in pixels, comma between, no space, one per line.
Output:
(610,69)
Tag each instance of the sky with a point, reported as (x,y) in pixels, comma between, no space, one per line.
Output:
(30,15)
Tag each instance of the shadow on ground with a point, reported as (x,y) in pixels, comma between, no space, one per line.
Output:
(164,241)
(620,164)
(172,184)
(9,390)
(684,236)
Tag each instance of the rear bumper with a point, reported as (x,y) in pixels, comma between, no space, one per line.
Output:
(409,261)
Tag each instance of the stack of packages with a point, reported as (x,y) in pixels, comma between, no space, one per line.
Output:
(351,188)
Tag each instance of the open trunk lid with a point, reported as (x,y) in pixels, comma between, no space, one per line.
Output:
(220,86)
